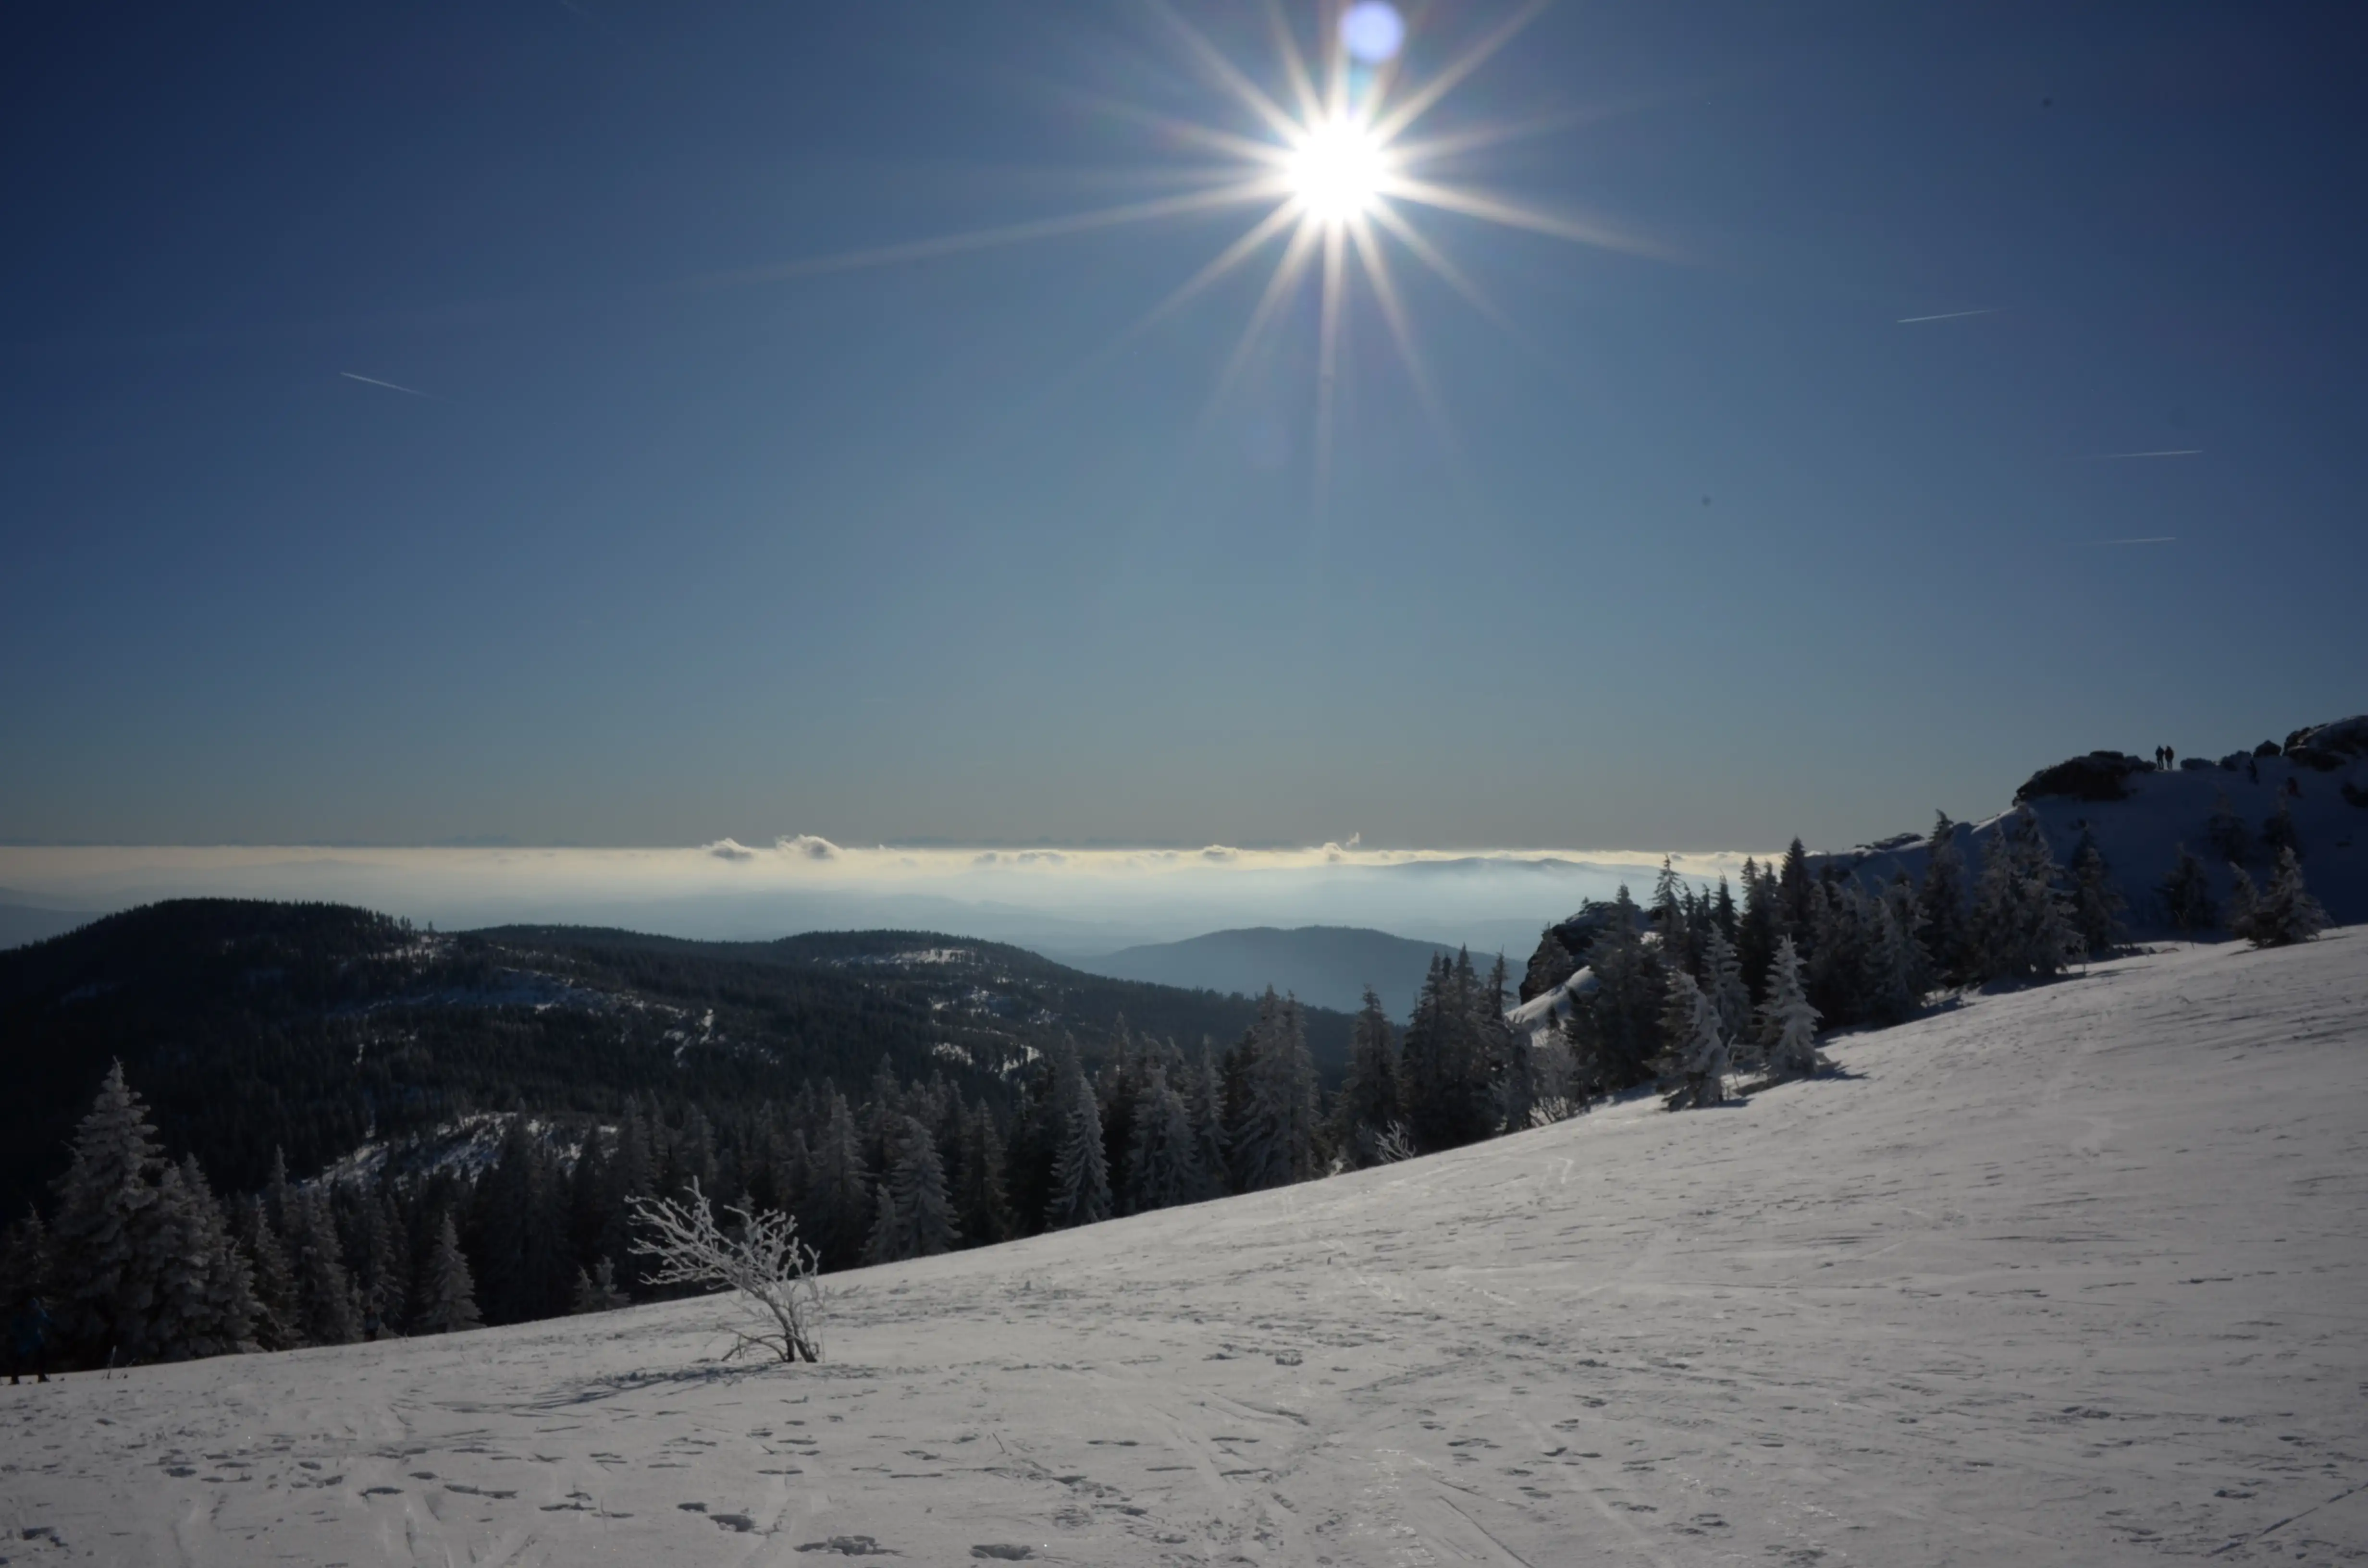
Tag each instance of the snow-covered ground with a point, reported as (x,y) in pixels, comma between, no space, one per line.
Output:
(2074,1275)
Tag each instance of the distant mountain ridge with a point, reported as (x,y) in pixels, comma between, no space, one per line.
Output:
(1326,966)
(250,1025)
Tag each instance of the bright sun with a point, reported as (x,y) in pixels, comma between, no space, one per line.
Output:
(1337,169)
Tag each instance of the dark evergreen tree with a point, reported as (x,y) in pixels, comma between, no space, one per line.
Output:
(1942,899)
(1081,1191)
(1614,1028)
(2186,896)
(840,1210)
(1754,934)
(1209,1131)
(2279,833)
(982,1205)
(2225,832)
(918,1215)
(1796,892)
(27,1328)
(1368,1103)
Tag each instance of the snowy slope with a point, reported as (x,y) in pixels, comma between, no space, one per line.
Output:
(2073,1275)
(2140,835)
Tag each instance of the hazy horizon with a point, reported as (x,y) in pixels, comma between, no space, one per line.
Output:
(1072,902)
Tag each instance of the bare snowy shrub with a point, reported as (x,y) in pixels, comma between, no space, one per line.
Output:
(1390,1145)
(774,1275)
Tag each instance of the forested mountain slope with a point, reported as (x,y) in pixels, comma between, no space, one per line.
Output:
(249,1026)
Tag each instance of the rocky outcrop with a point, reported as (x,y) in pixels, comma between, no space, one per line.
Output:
(1564,947)
(2329,746)
(2099,776)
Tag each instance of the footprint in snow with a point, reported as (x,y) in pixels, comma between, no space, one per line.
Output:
(851,1546)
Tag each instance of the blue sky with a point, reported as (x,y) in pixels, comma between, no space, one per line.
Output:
(1718,550)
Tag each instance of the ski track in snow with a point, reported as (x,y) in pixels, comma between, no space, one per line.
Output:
(2069,1274)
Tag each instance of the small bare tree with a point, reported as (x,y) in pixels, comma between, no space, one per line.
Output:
(772,1273)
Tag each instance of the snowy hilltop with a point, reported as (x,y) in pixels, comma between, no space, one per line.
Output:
(2311,789)
(2070,1274)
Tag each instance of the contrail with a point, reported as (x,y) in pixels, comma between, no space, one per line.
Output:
(390,386)
(2168,453)
(1948,315)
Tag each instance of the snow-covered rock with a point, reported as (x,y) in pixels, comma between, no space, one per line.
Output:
(2069,1275)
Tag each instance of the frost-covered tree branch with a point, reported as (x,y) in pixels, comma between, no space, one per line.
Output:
(773,1274)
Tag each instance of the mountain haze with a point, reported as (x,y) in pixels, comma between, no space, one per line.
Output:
(1326,966)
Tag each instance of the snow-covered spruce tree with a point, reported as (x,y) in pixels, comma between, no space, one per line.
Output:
(325,1304)
(205,1299)
(107,1240)
(1369,1097)
(2021,926)
(1276,1144)
(1788,1024)
(1081,1190)
(2283,916)
(2097,902)
(772,1275)
(2186,895)
(1163,1169)
(1697,1058)
(595,1290)
(913,1218)
(277,1325)
(1898,972)
(447,1299)
(1942,899)
(1722,984)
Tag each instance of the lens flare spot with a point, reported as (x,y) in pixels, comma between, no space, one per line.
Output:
(1338,170)
(1373,31)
